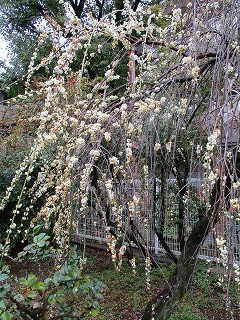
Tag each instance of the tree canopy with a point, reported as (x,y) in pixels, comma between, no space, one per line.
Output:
(22,22)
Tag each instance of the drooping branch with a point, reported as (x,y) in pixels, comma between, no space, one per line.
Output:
(132,235)
(163,304)
(181,80)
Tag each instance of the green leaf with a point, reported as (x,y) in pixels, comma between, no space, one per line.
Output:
(19,297)
(3,304)
(39,286)
(36,229)
(41,243)
(3,276)
(23,281)
(32,279)
(99,296)
(4,289)
(6,316)
(21,254)
(40,238)
(5,268)
(95,304)
(28,247)
(47,281)
(60,297)
(52,299)
(93,313)
(68,278)
(32,294)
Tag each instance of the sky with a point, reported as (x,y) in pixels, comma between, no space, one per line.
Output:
(3,52)
(3,48)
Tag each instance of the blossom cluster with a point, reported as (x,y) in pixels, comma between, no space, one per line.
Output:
(99,146)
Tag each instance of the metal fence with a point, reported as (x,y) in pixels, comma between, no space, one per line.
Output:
(93,227)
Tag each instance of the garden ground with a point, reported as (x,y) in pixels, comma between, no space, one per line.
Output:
(127,295)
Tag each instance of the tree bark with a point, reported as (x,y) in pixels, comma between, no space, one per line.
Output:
(77,7)
(161,307)
(119,5)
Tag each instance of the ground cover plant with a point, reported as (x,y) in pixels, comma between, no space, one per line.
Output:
(105,144)
(39,283)
(126,294)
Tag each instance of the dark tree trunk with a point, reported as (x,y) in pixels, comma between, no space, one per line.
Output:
(162,306)
(119,5)
(166,300)
(135,5)
(100,8)
(78,7)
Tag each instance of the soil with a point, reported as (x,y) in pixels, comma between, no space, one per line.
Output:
(126,295)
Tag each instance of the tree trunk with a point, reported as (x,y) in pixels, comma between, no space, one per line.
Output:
(119,6)
(161,307)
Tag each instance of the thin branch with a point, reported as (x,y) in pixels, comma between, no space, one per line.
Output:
(134,40)
(163,242)
(190,78)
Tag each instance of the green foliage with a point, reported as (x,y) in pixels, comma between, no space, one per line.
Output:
(204,300)
(23,16)
(4,275)
(206,297)
(55,294)
(40,247)
(203,278)
(187,313)
(6,316)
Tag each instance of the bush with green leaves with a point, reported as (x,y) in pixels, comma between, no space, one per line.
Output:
(64,294)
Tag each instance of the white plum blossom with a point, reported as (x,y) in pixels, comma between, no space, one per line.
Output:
(80,142)
(187,60)
(157,147)
(107,136)
(177,14)
(95,154)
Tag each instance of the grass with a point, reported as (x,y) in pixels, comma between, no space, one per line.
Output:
(126,295)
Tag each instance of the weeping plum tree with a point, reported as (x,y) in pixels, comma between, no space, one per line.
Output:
(107,152)
(21,22)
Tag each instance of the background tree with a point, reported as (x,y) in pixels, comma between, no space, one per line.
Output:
(22,22)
